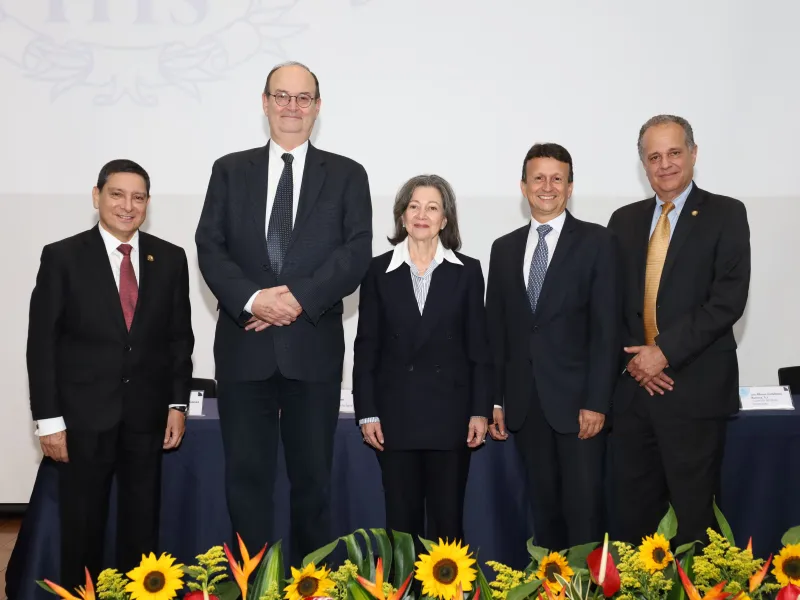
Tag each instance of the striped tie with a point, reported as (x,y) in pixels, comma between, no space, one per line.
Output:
(656,254)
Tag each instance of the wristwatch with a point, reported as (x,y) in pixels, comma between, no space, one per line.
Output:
(181,407)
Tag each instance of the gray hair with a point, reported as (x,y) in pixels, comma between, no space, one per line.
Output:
(663,120)
(292,63)
(449,236)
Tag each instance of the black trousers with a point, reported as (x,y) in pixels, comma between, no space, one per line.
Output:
(565,481)
(417,483)
(84,489)
(661,458)
(251,428)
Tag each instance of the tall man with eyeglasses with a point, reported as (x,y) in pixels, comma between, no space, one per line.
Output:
(285,234)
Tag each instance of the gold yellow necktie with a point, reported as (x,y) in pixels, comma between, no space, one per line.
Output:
(656,254)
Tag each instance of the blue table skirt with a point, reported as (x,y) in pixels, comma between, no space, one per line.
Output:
(759,496)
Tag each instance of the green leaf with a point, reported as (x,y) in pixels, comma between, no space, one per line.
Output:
(687,562)
(354,553)
(482,583)
(384,549)
(537,552)
(228,590)
(320,554)
(668,526)
(269,571)
(369,561)
(356,592)
(724,527)
(404,556)
(685,547)
(45,587)
(523,591)
(576,556)
(427,543)
(791,537)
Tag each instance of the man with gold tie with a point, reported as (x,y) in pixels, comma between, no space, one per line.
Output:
(686,273)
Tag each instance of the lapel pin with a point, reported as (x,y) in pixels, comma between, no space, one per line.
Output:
(694,213)
(150,258)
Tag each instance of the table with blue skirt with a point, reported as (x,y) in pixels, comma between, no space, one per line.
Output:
(758,496)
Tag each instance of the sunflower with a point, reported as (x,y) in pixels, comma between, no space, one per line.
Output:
(155,579)
(787,565)
(655,553)
(309,582)
(552,565)
(444,569)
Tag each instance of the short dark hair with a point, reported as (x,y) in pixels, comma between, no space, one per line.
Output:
(449,236)
(292,64)
(122,165)
(548,150)
(663,120)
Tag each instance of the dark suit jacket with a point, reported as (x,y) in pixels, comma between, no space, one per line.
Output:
(703,292)
(570,348)
(83,364)
(328,254)
(423,375)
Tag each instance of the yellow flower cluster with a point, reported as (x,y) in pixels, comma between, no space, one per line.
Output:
(636,581)
(209,570)
(271,593)
(340,577)
(111,585)
(720,561)
(507,579)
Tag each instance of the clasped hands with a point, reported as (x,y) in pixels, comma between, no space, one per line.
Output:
(647,368)
(275,306)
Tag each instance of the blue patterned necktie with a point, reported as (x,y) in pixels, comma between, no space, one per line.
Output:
(280,221)
(538,267)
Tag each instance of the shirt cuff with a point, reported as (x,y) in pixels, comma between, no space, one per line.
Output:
(50,426)
(177,406)
(249,306)
(369,420)
(497,406)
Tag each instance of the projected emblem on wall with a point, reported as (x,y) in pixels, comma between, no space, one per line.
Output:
(137,49)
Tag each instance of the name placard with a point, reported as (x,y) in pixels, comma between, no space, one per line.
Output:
(196,403)
(768,397)
(346,402)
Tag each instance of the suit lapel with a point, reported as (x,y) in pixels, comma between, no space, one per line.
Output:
(398,282)
(100,268)
(563,248)
(517,262)
(257,174)
(683,228)
(443,282)
(642,230)
(313,179)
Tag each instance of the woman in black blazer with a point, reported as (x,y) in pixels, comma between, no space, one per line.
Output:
(421,365)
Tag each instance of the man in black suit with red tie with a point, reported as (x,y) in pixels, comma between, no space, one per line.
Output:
(552,304)
(686,276)
(109,353)
(285,234)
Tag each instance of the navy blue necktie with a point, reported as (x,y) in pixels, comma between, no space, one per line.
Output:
(280,221)
(538,267)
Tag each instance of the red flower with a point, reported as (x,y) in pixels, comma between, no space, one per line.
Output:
(789,592)
(198,595)
(604,575)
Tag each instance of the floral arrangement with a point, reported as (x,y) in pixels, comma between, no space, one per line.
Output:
(652,570)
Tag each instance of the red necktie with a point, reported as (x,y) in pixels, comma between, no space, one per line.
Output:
(128,288)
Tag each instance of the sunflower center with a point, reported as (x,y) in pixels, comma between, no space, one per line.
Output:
(445,571)
(551,570)
(791,567)
(659,555)
(154,582)
(307,586)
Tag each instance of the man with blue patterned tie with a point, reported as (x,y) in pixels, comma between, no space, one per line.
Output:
(553,308)
(285,234)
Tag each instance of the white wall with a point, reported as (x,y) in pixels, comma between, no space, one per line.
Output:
(409,86)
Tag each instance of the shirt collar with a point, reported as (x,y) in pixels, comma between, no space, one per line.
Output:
(557,224)
(299,153)
(680,200)
(113,243)
(401,255)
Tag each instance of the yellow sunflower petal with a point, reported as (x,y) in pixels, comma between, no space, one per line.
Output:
(552,565)
(655,553)
(786,566)
(155,578)
(447,566)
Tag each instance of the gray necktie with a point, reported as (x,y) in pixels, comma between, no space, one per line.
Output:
(280,221)
(538,267)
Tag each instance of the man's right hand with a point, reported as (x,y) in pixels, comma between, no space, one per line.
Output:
(270,308)
(55,446)
(498,427)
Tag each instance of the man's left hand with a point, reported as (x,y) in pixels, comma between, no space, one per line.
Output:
(289,298)
(476,432)
(648,362)
(590,423)
(176,427)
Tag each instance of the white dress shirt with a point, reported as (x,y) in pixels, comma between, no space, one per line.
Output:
(276,165)
(673,215)
(551,239)
(421,283)
(56,424)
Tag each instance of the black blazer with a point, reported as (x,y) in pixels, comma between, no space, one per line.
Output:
(83,364)
(703,292)
(570,348)
(423,375)
(329,251)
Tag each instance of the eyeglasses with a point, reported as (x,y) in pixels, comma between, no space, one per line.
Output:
(283,99)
